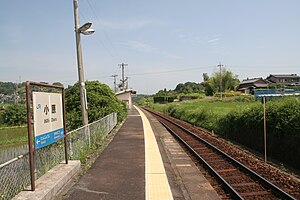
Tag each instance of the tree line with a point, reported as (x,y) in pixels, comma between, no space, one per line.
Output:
(101,102)
(224,81)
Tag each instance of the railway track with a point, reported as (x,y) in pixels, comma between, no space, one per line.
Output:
(238,180)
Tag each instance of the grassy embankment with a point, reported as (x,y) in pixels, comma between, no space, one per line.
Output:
(205,112)
(243,122)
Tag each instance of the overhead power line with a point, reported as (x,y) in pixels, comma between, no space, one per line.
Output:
(114,50)
(149,73)
(171,71)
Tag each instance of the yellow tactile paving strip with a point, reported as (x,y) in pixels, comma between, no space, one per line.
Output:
(157,185)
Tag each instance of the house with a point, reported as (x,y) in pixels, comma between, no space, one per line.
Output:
(126,96)
(286,79)
(248,85)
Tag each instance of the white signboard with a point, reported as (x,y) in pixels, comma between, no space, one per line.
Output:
(48,118)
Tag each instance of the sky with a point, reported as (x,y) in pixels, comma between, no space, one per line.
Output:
(164,42)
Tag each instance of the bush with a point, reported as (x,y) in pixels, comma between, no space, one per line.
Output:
(15,114)
(244,98)
(163,99)
(244,124)
(228,94)
(101,102)
(190,96)
(283,129)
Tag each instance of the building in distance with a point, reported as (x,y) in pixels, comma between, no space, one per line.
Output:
(285,79)
(247,86)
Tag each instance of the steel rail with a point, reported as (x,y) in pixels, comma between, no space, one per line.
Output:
(228,187)
(253,174)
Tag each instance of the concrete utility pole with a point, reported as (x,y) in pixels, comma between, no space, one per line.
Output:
(126,82)
(122,65)
(115,81)
(85,29)
(16,93)
(220,66)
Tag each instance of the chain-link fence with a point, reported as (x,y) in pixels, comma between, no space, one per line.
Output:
(15,174)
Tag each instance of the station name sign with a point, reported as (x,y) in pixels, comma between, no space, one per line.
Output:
(48,118)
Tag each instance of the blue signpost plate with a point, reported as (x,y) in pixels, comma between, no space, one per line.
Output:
(48,138)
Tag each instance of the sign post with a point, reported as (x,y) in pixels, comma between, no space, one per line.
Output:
(49,121)
(265,128)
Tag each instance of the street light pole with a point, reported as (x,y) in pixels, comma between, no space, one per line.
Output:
(83,100)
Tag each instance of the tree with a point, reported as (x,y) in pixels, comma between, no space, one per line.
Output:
(205,77)
(15,114)
(7,88)
(57,83)
(101,102)
(212,84)
(189,87)
(207,84)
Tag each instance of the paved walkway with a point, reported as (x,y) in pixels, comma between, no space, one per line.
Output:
(143,161)
(119,172)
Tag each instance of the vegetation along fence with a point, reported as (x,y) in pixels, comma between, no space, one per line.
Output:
(15,175)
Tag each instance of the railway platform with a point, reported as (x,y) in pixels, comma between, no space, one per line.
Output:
(143,161)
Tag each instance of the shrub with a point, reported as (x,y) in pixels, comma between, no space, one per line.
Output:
(15,114)
(190,96)
(101,101)
(244,123)
(163,99)
(283,129)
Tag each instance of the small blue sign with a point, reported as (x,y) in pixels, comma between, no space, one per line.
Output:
(48,138)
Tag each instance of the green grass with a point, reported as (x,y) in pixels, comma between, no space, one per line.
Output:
(220,108)
(208,105)
(242,122)
(203,112)
(13,135)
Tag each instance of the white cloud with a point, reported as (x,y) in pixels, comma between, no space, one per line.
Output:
(139,46)
(213,41)
(147,48)
(198,39)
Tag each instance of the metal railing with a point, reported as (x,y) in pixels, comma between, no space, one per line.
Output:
(15,174)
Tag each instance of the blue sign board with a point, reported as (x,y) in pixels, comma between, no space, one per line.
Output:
(48,138)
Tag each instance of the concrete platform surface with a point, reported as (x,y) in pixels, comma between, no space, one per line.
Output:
(47,186)
(181,170)
(119,172)
(139,165)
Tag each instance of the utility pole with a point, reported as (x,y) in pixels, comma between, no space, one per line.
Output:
(122,65)
(220,66)
(83,99)
(126,82)
(16,93)
(115,82)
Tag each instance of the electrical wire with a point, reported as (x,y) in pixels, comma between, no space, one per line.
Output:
(114,50)
(170,71)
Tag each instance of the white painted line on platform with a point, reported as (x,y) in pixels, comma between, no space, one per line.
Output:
(183,165)
(176,153)
(157,185)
